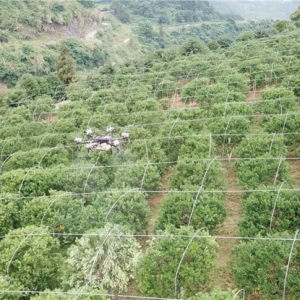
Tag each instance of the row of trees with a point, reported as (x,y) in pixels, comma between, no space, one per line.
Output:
(68,217)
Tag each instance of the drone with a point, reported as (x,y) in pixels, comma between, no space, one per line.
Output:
(102,142)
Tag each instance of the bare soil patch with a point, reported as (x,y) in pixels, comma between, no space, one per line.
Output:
(61,103)
(51,119)
(223,277)
(156,202)
(176,102)
(253,95)
(3,88)
(295,171)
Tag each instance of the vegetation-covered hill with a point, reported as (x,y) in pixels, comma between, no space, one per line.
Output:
(257,9)
(209,176)
(25,19)
(30,34)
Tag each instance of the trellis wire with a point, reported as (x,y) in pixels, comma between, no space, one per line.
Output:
(174,191)
(15,252)
(225,133)
(24,177)
(167,110)
(288,265)
(89,174)
(114,204)
(166,123)
(284,123)
(220,237)
(199,191)
(147,165)
(277,171)
(82,293)
(53,201)
(271,145)
(94,261)
(238,292)
(78,167)
(274,206)
(182,257)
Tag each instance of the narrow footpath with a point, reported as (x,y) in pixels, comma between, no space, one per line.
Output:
(223,277)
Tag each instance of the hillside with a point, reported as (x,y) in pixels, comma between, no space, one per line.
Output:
(171,175)
(32,34)
(257,9)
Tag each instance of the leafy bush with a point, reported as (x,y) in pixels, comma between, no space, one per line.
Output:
(190,174)
(260,265)
(270,212)
(262,170)
(157,269)
(124,207)
(203,210)
(44,157)
(277,101)
(37,265)
(104,258)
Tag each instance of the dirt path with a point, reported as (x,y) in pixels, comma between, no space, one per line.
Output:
(91,35)
(156,202)
(295,171)
(233,206)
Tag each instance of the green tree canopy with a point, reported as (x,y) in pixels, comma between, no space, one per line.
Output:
(104,258)
(30,257)
(66,66)
(157,270)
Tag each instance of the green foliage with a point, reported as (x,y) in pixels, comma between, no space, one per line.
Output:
(260,266)
(198,147)
(270,213)
(104,258)
(37,16)
(16,97)
(124,207)
(206,94)
(38,182)
(203,210)
(229,129)
(263,170)
(192,46)
(68,295)
(191,174)
(10,207)
(42,107)
(261,161)
(245,36)
(156,272)
(30,84)
(256,146)
(287,124)
(215,295)
(6,285)
(165,88)
(60,211)
(66,66)
(120,11)
(277,100)
(32,259)
(139,175)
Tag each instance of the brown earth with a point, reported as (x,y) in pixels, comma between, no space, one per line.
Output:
(295,171)
(177,103)
(3,88)
(253,95)
(223,277)
(156,202)
(154,205)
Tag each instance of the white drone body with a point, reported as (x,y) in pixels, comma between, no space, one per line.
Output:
(102,142)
